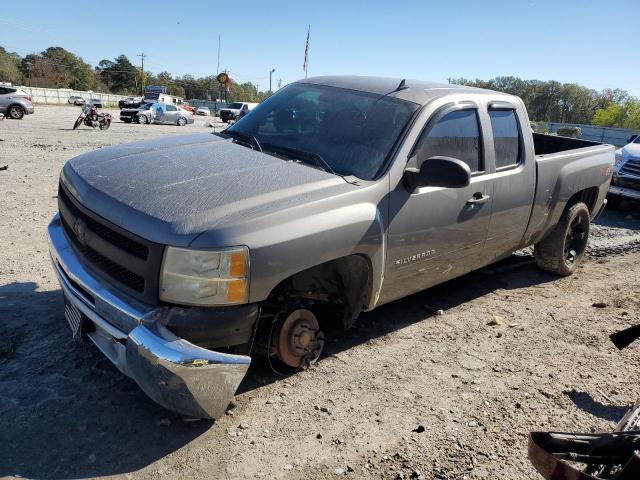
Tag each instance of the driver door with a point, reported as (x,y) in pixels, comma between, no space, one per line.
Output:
(438,233)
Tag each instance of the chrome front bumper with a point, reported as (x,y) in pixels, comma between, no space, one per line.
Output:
(177,374)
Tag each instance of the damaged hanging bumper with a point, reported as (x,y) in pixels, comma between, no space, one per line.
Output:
(177,374)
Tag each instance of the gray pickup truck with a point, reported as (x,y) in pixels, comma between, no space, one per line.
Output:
(180,257)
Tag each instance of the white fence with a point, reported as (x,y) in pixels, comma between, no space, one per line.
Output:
(613,136)
(61,95)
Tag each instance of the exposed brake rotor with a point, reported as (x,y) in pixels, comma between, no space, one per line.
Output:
(299,341)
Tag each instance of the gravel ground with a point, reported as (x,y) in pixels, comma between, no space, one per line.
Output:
(407,393)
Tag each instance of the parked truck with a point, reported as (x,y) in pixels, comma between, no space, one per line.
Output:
(181,257)
(625,183)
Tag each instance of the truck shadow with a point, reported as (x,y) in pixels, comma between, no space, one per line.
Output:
(624,216)
(66,412)
(517,271)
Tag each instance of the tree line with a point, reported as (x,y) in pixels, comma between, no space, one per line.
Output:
(56,67)
(552,101)
(546,101)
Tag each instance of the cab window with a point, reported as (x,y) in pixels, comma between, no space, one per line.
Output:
(456,135)
(506,138)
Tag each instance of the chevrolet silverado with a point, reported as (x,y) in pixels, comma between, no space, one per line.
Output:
(181,257)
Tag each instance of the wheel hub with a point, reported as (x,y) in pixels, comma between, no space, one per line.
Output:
(299,341)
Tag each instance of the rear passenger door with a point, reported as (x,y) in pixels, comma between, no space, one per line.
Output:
(171,115)
(514,177)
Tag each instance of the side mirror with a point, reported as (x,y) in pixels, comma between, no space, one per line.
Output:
(438,172)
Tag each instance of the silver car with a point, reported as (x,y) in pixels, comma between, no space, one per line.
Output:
(15,103)
(203,111)
(76,100)
(166,114)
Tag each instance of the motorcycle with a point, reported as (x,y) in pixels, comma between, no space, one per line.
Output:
(91,118)
(605,456)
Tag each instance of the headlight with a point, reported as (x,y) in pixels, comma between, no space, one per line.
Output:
(205,277)
(619,158)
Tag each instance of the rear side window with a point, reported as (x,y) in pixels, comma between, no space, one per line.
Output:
(506,137)
(171,108)
(456,135)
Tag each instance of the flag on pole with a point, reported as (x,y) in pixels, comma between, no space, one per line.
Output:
(305,66)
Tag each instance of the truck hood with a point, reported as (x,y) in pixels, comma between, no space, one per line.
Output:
(169,190)
(631,150)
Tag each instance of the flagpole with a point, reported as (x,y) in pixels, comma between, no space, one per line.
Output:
(306,53)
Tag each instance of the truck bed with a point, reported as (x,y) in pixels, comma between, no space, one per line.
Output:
(548,144)
(565,166)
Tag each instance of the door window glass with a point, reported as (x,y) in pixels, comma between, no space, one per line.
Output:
(172,108)
(506,137)
(456,135)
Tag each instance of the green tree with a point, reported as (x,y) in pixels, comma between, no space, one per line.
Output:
(10,67)
(121,76)
(78,74)
(625,115)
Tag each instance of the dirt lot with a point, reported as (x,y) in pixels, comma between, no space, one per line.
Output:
(474,389)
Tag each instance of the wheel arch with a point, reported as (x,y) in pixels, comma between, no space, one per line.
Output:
(346,281)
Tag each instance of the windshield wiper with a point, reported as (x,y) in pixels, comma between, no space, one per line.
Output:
(243,137)
(296,153)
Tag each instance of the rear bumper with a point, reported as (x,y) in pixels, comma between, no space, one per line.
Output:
(177,374)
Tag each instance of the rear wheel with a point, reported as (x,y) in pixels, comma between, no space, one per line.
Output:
(16,112)
(182,121)
(563,249)
(105,125)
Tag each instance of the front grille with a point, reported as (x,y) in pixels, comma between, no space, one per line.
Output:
(126,277)
(130,262)
(631,167)
(127,244)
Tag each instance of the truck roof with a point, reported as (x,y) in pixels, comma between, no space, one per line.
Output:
(417,91)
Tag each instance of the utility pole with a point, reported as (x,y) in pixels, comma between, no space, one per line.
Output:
(142,55)
(279,83)
(271,73)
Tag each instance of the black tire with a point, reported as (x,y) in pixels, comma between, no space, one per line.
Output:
(182,121)
(16,112)
(143,120)
(613,201)
(105,125)
(78,122)
(563,249)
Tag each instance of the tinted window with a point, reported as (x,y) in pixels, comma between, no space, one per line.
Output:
(456,135)
(171,108)
(506,137)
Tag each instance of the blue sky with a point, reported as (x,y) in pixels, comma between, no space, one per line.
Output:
(583,41)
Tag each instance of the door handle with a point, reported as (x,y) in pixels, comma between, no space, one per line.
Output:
(478,199)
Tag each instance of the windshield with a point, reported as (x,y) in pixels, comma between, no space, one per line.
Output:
(235,106)
(637,140)
(353,132)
